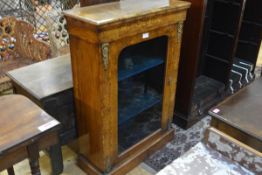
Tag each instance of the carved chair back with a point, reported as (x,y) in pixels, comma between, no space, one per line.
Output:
(18,47)
(17,41)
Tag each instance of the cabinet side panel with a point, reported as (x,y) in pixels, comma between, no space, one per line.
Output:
(171,72)
(190,55)
(88,90)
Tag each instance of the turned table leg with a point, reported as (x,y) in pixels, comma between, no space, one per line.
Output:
(11,171)
(55,154)
(33,156)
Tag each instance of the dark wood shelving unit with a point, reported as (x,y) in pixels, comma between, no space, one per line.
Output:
(250,33)
(229,37)
(249,40)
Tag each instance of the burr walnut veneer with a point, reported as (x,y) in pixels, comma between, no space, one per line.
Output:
(98,35)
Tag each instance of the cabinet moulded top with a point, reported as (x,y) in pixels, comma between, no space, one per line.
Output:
(125,10)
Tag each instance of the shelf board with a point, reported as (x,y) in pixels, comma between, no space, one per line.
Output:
(218,59)
(229,2)
(221,33)
(244,63)
(206,92)
(237,59)
(143,125)
(140,64)
(134,101)
(248,42)
(252,23)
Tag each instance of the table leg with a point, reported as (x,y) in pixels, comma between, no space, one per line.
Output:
(55,154)
(33,156)
(11,171)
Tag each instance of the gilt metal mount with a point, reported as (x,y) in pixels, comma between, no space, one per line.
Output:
(179,31)
(105,55)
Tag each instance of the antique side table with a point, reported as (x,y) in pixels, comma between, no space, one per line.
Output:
(125,59)
(25,129)
(49,84)
(240,116)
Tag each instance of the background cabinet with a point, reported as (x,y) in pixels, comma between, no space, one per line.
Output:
(218,56)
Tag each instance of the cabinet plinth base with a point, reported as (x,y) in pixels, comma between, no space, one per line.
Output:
(131,161)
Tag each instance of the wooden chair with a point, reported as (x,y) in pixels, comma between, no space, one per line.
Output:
(18,47)
(58,35)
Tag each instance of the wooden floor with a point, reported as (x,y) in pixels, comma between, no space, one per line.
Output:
(69,156)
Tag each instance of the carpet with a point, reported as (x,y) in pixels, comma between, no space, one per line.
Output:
(184,140)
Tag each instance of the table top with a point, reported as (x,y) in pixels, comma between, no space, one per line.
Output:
(124,9)
(45,78)
(243,110)
(21,120)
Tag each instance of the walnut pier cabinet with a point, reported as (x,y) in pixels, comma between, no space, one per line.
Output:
(125,59)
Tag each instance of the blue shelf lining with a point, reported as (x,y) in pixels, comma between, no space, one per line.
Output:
(137,65)
(134,100)
(133,110)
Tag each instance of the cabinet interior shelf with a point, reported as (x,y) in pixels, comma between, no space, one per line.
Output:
(133,99)
(217,58)
(221,33)
(137,65)
(252,23)
(248,42)
(205,91)
(138,89)
(229,2)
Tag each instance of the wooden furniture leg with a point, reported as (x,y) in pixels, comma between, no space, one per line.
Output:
(25,141)
(33,155)
(11,171)
(55,154)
